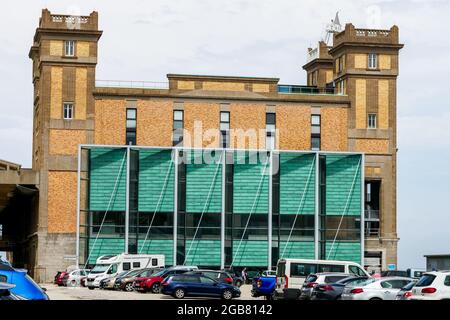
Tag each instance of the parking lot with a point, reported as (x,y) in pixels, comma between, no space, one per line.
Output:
(79,293)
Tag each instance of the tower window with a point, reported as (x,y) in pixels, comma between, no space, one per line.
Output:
(315,132)
(270,131)
(69,48)
(131,127)
(372,121)
(68,110)
(372,61)
(178,124)
(225,129)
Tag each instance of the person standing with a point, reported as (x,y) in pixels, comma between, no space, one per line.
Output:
(244,275)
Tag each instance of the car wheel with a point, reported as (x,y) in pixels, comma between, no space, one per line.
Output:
(73,283)
(156,287)
(129,287)
(269,297)
(339,298)
(375,299)
(227,295)
(91,288)
(179,293)
(238,283)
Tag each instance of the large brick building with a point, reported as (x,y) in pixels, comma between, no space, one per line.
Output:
(114,140)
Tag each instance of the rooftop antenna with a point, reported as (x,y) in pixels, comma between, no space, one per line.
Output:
(332,28)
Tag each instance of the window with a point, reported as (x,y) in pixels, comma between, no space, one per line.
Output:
(330,268)
(178,125)
(113,269)
(68,110)
(131,127)
(136,265)
(356,271)
(372,61)
(69,48)
(315,132)
(341,87)
(426,280)
(372,121)
(270,131)
(341,64)
(225,129)
(3,278)
(126,266)
(447,281)
(154,262)
(206,280)
(302,269)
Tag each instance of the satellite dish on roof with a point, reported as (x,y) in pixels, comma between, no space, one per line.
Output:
(332,28)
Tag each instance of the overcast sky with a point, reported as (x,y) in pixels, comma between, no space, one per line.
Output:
(145,40)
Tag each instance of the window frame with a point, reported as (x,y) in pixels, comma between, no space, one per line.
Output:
(224,133)
(315,135)
(130,130)
(178,131)
(372,116)
(72,110)
(69,50)
(372,57)
(271,120)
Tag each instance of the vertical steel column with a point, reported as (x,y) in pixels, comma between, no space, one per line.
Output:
(269,235)
(127,201)
(223,217)
(362,168)
(175,207)
(77,249)
(317,208)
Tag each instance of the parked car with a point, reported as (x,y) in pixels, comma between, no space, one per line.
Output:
(252,274)
(83,282)
(264,286)
(269,273)
(5,292)
(25,287)
(433,285)
(111,265)
(109,283)
(182,285)
(125,282)
(73,278)
(405,293)
(376,289)
(59,278)
(315,279)
(237,278)
(291,274)
(153,283)
(220,276)
(55,280)
(394,273)
(333,291)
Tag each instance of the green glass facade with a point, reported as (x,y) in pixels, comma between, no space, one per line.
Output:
(214,189)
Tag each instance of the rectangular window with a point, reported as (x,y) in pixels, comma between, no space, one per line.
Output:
(372,63)
(126,266)
(131,126)
(68,110)
(225,129)
(178,124)
(69,48)
(372,121)
(315,132)
(270,131)
(136,264)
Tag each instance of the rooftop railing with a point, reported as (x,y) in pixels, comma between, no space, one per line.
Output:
(296,89)
(372,215)
(132,84)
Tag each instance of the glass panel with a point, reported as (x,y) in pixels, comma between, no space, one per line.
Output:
(315,129)
(224,117)
(315,120)
(224,126)
(131,123)
(315,143)
(270,143)
(178,115)
(178,124)
(270,127)
(131,113)
(270,118)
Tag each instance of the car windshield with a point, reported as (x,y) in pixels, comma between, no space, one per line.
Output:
(133,273)
(161,273)
(100,268)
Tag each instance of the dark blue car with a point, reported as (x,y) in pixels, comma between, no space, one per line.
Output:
(25,287)
(180,286)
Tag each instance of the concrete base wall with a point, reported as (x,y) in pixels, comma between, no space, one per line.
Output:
(387,247)
(52,250)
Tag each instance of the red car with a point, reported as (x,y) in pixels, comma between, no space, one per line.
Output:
(153,283)
(59,278)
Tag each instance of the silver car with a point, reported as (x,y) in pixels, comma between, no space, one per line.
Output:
(315,279)
(376,289)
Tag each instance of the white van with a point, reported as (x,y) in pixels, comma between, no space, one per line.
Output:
(109,266)
(291,273)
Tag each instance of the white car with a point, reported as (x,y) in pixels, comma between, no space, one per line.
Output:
(376,289)
(73,278)
(269,273)
(433,285)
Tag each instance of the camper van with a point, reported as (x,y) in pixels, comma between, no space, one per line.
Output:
(291,273)
(109,266)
